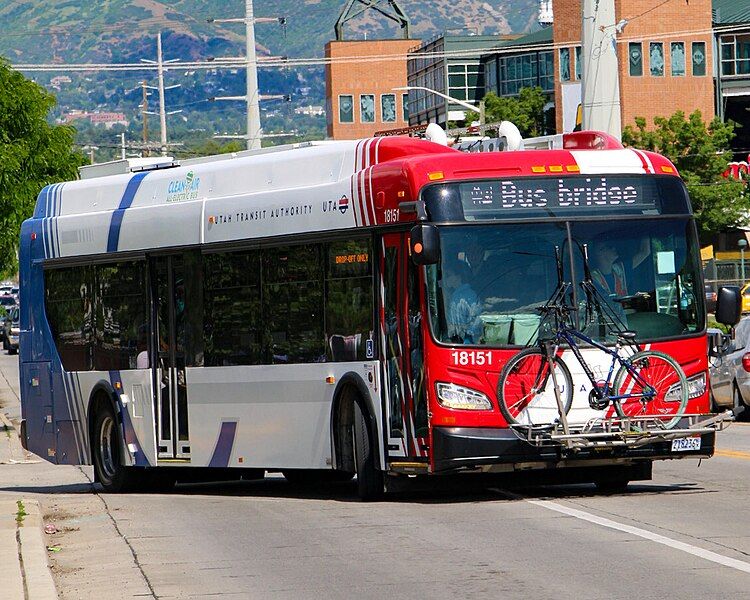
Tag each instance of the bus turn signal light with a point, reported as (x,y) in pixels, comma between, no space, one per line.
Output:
(330,380)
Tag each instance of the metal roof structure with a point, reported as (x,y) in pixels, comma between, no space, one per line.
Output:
(729,12)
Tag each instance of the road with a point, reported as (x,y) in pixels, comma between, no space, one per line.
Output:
(683,535)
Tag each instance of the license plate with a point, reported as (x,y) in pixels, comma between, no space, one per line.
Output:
(686,444)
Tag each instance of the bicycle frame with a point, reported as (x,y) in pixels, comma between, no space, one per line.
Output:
(568,335)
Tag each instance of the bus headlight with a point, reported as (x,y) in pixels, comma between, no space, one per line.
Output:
(696,387)
(458,397)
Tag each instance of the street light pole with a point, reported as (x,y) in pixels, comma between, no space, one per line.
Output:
(742,243)
(472,107)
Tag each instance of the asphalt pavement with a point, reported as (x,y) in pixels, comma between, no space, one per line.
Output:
(683,535)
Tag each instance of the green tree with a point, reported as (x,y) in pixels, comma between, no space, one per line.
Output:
(33,154)
(526,111)
(700,152)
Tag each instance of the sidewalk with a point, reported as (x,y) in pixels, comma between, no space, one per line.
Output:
(24,570)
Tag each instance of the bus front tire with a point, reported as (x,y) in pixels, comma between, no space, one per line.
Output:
(370,482)
(107,452)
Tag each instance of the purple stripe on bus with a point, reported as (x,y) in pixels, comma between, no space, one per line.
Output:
(224,445)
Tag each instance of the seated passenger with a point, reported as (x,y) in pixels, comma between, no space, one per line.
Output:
(463,307)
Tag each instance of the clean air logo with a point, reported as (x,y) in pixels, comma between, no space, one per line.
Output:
(181,190)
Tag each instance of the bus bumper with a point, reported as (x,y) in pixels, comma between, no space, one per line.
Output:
(500,450)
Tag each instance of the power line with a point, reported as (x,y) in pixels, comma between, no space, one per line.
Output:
(285,62)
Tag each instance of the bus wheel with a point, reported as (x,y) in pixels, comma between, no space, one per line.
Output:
(370,482)
(107,451)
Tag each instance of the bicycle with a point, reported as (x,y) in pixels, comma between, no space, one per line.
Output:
(647,384)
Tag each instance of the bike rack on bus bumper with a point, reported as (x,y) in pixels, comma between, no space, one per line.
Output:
(617,432)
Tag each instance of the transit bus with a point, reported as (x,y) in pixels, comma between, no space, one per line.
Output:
(268,311)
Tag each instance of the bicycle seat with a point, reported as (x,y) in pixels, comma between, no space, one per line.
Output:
(627,335)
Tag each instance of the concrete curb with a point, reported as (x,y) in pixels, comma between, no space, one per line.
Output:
(23,553)
(12,452)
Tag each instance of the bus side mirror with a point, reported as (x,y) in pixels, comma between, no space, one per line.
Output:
(728,305)
(424,243)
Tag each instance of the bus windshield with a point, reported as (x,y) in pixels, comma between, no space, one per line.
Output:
(491,279)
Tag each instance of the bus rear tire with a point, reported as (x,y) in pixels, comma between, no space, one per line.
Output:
(370,481)
(107,446)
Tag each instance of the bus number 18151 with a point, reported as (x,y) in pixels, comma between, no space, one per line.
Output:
(475,358)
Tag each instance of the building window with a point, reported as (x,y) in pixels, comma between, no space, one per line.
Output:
(405,106)
(526,70)
(656,59)
(465,82)
(346,109)
(699,59)
(547,71)
(367,108)
(388,108)
(677,58)
(735,54)
(635,59)
(564,64)
(578,63)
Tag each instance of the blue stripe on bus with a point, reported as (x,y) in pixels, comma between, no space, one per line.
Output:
(225,443)
(41,203)
(58,201)
(47,240)
(113,241)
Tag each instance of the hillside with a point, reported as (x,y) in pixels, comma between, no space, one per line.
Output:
(112,31)
(77,30)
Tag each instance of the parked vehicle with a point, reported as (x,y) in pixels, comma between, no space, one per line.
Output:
(12,331)
(710,298)
(745,291)
(730,372)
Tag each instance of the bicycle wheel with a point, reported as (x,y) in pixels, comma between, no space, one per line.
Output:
(525,393)
(653,383)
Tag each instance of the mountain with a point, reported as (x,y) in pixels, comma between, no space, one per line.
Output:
(78,30)
(115,31)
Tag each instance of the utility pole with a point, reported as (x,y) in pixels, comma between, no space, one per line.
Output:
(162,107)
(144,112)
(252,97)
(122,147)
(160,62)
(253,107)
(600,79)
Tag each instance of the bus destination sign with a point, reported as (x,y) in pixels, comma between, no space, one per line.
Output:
(558,195)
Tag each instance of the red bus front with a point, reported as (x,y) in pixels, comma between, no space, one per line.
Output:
(505,243)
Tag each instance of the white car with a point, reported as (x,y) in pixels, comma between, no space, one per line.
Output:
(730,371)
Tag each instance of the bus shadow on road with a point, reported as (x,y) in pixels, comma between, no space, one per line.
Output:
(442,490)
(431,491)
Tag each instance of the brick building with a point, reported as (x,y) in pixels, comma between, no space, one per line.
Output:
(659,72)
(360,96)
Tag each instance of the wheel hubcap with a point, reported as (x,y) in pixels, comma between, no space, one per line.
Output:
(106,448)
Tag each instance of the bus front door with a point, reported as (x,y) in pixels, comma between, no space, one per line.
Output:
(170,389)
(403,368)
